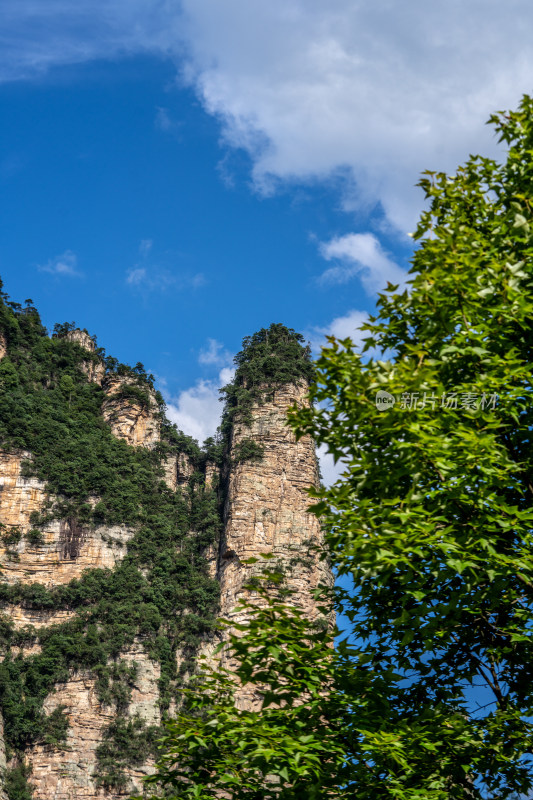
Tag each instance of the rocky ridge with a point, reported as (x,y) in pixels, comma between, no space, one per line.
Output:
(264,511)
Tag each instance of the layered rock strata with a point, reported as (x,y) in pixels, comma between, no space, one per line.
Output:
(66,548)
(266,511)
(82,338)
(132,419)
(3,761)
(72,771)
(177,470)
(93,367)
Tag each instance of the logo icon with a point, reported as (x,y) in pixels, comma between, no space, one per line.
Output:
(384,400)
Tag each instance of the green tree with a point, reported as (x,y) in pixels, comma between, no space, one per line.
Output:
(277,751)
(432,518)
(431,524)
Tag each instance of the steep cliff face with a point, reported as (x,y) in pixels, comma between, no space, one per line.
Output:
(266,505)
(92,365)
(64,549)
(72,771)
(3,760)
(131,412)
(120,541)
(266,511)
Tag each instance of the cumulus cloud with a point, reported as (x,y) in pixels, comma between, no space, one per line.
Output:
(374,91)
(329,470)
(197,410)
(347,326)
(215,354)
(368,92)
(360,254)
(62,265)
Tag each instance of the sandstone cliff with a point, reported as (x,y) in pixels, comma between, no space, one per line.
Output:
(64,552)
(266,509)
(131,412)
(114,565)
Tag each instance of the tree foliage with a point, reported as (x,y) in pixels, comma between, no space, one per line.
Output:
(431,525)
(269,359)
(278,751)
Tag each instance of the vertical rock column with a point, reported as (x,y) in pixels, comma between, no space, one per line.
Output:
(266,504)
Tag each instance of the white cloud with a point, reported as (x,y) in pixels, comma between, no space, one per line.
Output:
(64,264)
(360,254)
(226,375)
(136,276)
(215,354)
(37,35)
(159,279)
(197,410)
(376,90)
(348,326)
(343,327)
(368,92)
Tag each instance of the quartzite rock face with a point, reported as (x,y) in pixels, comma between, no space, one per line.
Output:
(265,512)
(212,473)
(82,338)
(67,548)
(94,367)
(135,422)
(95,371)
(266,508)
(177,470)
(19,496)
(72,772)
(3,763)
(66,551)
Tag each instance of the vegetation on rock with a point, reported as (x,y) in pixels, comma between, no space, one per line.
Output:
(271,358)
(159,593)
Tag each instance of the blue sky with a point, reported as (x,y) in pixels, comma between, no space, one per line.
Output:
(177,175)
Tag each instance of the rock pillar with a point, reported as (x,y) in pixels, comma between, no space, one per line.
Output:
(266,507)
